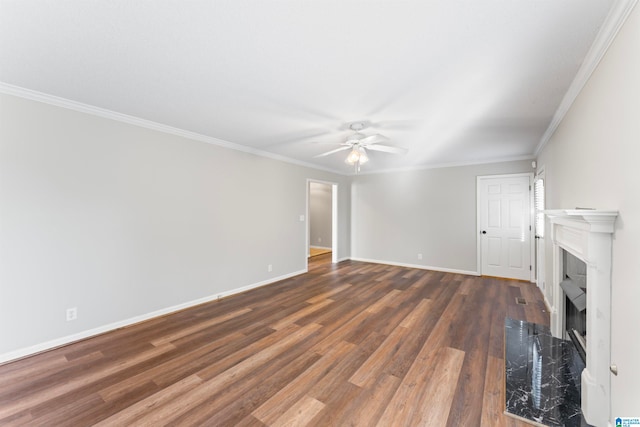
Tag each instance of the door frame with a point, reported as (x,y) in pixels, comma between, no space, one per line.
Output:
(532,273)
(334,219)
(540,248)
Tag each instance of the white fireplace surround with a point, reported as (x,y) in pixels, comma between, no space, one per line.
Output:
(587,234)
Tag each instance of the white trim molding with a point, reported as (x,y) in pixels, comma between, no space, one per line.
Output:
(159,127)
(611,26)
(147,124)
(448,165)
(69,339)
(418,266)
(588,235)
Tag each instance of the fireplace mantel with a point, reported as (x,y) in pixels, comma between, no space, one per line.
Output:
(593,220)
(588,235)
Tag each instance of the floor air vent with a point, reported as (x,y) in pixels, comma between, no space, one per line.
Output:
(521,301)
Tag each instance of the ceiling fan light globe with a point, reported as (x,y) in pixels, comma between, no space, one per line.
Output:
(357,156)
(363,157)
(353,157)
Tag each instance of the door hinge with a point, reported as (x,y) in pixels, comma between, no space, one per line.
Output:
(529,188)
(530,268)
(529,228)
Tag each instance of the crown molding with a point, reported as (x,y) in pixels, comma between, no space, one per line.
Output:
(610,27)
(57,101)
(448,165)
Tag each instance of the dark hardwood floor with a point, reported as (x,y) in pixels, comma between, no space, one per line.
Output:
(352,344)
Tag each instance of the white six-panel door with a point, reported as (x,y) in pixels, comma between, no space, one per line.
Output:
(504,209)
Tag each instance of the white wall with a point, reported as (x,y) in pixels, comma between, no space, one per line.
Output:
(396,216)
(121,221)
(592,161)
(320,210)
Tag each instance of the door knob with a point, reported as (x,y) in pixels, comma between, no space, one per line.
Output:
(614,369)
(484,231)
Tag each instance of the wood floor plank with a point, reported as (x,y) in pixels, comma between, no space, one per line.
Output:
(367,408)
(60,416)
(329,387)
(131,395)
(152,405)
(28,368)
(65,387)
(345,392)
(342,331)
(414,318)
(292,318)
(25,382)
(230,348)
(328,294)
(210,385)
(229,405)
(300,413)
(198,327)
(386,301)
(371,368)
(404,404)
(252,350)
(466,406)
(348,344)
(250,421)
(270,410)
(535,308)
(434,407)
(186,361)
(493,404)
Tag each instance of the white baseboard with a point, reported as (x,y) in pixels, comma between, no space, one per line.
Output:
(321,247)
(59,342)
(422,267)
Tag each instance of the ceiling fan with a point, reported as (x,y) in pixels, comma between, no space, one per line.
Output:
(359,143)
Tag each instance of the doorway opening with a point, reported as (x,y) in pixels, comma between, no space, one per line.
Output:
(322,224)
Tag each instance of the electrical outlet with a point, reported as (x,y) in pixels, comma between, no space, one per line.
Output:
(269,268)
(319,239)
(420,256)
(72,314)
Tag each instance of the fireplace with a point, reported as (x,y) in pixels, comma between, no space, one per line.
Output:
(582,242)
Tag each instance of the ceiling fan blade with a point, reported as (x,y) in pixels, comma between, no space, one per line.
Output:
(372,139)
(387,149)
(333,151)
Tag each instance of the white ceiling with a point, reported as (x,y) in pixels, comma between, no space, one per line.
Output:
(451,81)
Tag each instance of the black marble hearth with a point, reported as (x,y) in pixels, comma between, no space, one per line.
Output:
(542,376)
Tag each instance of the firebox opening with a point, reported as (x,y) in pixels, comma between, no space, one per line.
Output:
(574,286)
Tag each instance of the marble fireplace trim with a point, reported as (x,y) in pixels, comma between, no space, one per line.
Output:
(587,234)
